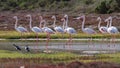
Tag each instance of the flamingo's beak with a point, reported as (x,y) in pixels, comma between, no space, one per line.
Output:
(106,20)
(78,18)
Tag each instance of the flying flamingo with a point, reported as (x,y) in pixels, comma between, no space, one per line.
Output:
(112,29)
(68,30)
(35,29)
(48,31)
(19,28)
(86,30)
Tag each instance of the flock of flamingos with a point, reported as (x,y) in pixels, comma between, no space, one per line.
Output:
(65,28)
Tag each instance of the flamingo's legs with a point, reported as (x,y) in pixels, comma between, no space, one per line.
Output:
(114,40)
(62,38)
(36,40)
(69,42)
(48,38)
(21,36)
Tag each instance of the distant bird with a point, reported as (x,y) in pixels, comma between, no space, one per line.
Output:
(48,31)
(27,48)
(68,29)
(17,47)
(35,29)
(58,29)
(102,29)
(112,29)
(19,28)
(86,30)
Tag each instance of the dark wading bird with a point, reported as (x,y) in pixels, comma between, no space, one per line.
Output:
(17,47)
(27,48)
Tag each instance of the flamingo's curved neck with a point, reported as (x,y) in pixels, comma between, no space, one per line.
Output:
(110,22)
(30,23)
(66,22)
(16,22)
(99,23)
(41,19)
(83,22)
(54,22)
(107,23)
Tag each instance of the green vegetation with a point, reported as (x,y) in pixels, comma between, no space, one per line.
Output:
(111,57)
(99,6)
(53,57)
(14,54)
(17,35)
(59,56)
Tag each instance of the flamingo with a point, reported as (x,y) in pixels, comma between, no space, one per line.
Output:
(86,30)
(48,31)
(19,28)
(102,29)
(68,29)
(112,30)
(58,29)
(35,29)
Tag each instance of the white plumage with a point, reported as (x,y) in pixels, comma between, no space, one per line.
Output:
(67,29)
(111,29)
(19,28)
(102,29)
(35,29)
(58,29)
(86,30)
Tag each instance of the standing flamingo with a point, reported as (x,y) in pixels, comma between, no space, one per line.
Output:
(68,30)
(58,29)
(102,29)
(35,29)
(48,31)
(86,30)
(19,28)
(112,30)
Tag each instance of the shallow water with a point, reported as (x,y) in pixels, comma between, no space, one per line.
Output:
(61,45)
